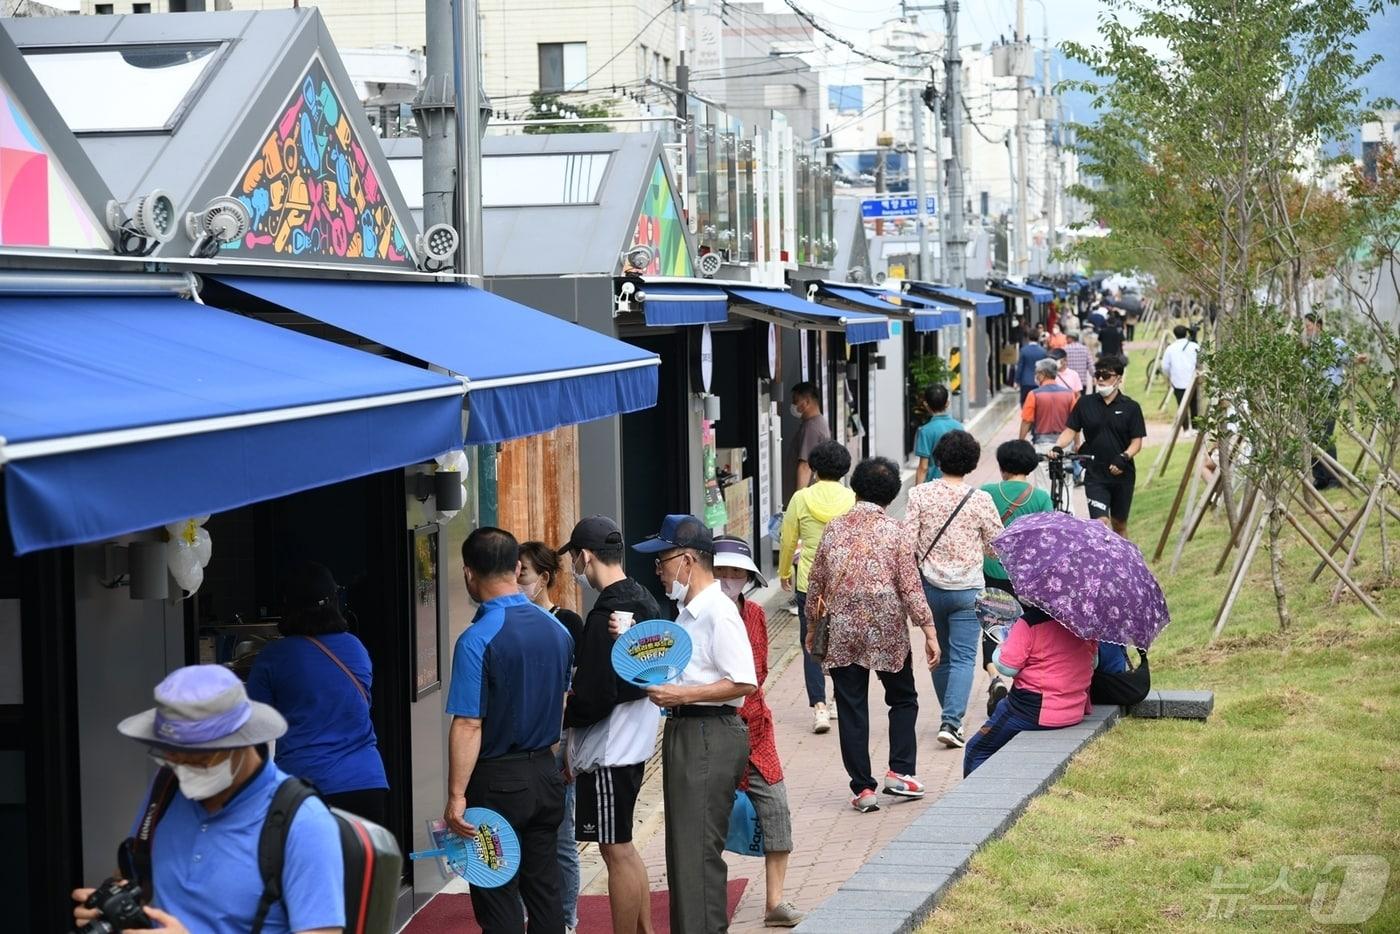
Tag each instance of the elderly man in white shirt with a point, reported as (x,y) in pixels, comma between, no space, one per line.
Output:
(1179,365)
(705,746)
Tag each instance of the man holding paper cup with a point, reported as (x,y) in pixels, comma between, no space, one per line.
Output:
(610,724)
(705,747)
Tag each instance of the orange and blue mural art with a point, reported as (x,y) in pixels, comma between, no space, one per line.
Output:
(312,191)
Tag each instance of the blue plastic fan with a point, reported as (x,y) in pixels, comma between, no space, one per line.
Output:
(652,652)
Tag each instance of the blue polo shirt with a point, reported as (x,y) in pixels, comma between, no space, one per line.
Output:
(927,439)
(1031,354)
(330,740)
(205,866)
(510,669)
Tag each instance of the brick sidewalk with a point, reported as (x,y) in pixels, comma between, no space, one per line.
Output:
(831,840)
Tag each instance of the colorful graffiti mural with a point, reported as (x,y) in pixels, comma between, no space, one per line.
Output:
(311,189)
(661,227)
(39,207)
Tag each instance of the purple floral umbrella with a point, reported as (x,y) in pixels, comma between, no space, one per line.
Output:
(1085,575)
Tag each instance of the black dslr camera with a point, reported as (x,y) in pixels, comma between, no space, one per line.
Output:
(120,905)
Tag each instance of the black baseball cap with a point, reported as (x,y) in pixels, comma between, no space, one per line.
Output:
(593,533)
(1058,354)
(678,531)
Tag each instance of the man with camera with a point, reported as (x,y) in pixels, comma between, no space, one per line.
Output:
(210,742)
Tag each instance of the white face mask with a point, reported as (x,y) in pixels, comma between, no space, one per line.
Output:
(732,587)
(679,591)
(532,591)
(796,412)
(201,782)
(1106,391)
(582,578)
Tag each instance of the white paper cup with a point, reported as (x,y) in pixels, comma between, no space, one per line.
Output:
(622,620)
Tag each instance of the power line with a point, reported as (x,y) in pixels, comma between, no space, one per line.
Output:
(812,21)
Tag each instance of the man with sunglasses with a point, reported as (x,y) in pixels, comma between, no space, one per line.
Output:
(199,859)
(1114,430)
(705,746)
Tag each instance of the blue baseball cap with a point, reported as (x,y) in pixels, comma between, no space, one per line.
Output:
(678,531)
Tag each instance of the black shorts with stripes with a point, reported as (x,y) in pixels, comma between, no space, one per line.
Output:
(604,801)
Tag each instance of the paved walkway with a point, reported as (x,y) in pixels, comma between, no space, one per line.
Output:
(831,840)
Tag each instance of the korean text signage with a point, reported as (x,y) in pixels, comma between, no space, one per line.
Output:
(895,207)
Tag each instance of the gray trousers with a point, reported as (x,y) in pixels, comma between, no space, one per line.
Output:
(702,760)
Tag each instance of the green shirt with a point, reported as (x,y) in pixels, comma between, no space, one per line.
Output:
(1003,495)
(927,439)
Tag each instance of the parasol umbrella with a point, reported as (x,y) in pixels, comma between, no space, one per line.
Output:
(1080,572)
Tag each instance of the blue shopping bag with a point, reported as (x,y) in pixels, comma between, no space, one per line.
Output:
(745,834)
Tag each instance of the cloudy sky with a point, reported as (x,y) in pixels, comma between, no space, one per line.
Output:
(1068,20)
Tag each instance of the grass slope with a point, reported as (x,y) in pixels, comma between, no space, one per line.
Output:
(1159,824)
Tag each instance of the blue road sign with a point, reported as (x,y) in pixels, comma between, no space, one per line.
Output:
(895,206)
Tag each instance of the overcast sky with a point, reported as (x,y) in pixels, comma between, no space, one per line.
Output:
(1069,20)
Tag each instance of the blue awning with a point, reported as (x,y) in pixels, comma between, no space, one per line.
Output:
(987,306)
(855,295)
(123,413)
(1041,294)
(931,314)
(795,312)
(527,372)
(671,303)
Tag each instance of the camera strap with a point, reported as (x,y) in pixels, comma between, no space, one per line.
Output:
(134,854)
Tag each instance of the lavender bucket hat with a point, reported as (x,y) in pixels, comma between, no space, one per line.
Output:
(204,707)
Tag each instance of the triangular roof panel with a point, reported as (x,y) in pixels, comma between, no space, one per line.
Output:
(270,117)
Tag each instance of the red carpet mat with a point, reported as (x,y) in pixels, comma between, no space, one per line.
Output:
(452,914)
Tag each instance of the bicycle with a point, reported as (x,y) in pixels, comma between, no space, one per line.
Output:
(1060,487)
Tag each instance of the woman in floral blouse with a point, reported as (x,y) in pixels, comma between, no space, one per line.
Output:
(952,569)
(864,574)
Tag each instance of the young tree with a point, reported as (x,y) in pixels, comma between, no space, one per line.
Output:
(1212,109)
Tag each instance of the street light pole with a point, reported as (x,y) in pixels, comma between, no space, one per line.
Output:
(916,104)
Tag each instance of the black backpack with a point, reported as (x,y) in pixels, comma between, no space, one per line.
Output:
(372,859)
(1124,688)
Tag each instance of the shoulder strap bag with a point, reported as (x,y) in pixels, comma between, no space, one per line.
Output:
(1015,505)
(364,695)
(946,522)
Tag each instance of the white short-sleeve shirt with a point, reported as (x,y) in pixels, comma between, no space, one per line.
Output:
(719,645)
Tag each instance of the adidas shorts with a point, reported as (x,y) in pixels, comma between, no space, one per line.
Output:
(604,800)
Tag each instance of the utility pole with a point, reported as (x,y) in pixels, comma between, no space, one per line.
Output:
(955,262)
(941,200)
(1051,157)
(435,109)
(1018,262)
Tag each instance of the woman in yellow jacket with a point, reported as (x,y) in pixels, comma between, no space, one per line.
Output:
(810,509)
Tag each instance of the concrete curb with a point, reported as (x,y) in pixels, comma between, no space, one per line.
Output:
(902,883)
(1178,705)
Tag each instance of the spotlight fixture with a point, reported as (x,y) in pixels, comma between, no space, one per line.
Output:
(880,276)
(437,244)
(709,265)
(224,220)
(151,223)
(638,257)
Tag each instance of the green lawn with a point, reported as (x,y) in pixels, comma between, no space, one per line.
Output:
(1161,825)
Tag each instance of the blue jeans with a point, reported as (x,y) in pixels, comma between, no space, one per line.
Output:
(999,730)
(811,669)
(1113,659)
(568,853)
(959,635)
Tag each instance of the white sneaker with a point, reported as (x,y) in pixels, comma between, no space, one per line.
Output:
(821,719)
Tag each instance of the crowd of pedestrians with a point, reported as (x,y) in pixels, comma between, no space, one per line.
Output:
(543,730)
